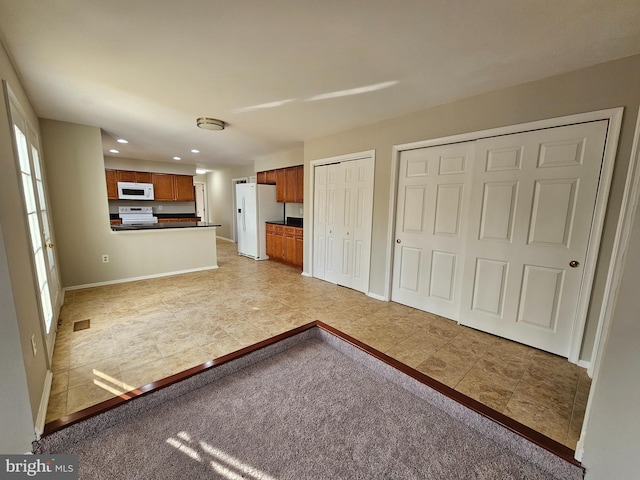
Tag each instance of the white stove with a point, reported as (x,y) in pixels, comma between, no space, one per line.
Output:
(137,215)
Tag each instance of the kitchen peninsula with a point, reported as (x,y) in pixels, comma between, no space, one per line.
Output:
(163,226)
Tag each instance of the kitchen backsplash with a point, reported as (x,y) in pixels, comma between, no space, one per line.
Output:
(293,209)
(158,207)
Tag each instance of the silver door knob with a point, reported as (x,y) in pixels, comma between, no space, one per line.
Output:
(398,241)
(574,263)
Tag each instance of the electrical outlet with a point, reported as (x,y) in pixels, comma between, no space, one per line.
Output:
(33,345)
(105,258)
(159,207)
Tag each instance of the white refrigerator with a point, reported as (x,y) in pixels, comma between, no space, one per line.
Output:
(255,204)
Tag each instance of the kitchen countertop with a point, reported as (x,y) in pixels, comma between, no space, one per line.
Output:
(163,226)
(289,222)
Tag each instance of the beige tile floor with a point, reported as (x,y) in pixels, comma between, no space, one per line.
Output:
(146,330)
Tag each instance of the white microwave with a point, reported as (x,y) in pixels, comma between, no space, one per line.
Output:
(135,191)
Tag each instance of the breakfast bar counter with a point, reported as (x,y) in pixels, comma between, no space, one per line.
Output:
(162,226)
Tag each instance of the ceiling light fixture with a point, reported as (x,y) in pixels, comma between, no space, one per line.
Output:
(200,171)
(122,140)
(195,150)
(177,158)
(210,123)
(113,150)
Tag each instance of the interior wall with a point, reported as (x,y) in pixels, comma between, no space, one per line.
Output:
(137,165)
(611,442)
(22,306)
(220,196)
(286,158)
(78,192)
(603,86)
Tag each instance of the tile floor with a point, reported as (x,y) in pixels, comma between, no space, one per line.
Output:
(146,330)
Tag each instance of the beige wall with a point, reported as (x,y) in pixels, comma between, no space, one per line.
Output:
(611,444)
(137,165)
(77,187)
(286,158)
(20,316)
(603,86)
(220,197)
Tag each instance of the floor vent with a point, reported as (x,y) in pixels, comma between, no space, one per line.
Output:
(81,325)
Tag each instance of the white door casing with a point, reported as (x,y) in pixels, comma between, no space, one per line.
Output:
(433,195)
(532,205)
(36,210)
(320,221)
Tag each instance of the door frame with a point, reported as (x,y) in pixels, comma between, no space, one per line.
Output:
(205,205)
(614,117)
(234,216)
(312,179)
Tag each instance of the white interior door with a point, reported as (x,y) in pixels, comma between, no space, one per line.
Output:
(343,216)
(357,211)
(433,196)
(335,199)
(36,211)
(532,206)
(201,201)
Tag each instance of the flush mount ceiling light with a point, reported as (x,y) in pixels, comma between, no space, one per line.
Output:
(210,123)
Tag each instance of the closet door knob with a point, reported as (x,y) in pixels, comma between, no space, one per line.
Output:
(574,263)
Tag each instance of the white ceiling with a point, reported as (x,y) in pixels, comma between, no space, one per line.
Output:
(280,72)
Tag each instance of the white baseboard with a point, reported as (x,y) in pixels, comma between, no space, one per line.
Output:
(376,296)
(44,402)
(306,274)
(144,277)
(585,364)
(225,239)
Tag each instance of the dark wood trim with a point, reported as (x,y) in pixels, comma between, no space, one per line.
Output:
(533,436)
(528,433)
(102,407)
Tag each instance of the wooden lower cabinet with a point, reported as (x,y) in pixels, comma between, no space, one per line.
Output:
(284,244)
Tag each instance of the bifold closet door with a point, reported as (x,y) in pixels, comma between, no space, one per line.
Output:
(343,208)
(433,194)
(532,206)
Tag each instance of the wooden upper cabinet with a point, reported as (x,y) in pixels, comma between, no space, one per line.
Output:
(112,184)
(126,176)
(143,177)
(290,185)
(270,177)
(281,185)
(163,189)
(261,178)
(184,188)
(299,184)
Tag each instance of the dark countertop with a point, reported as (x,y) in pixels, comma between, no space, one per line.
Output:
(289,222)
(163,226)
(115,216)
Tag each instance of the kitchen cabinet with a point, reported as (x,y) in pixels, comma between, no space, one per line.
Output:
(275,241)
(112,184)
(281,180)
(167,187)
(130,176)
(285,244)
(289,183)
(183,185)
(172,188)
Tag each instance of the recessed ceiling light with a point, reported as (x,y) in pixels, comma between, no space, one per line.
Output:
(113,150)
(210,123)
(200,171)
(177,158)
(195,150)
(122,140)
